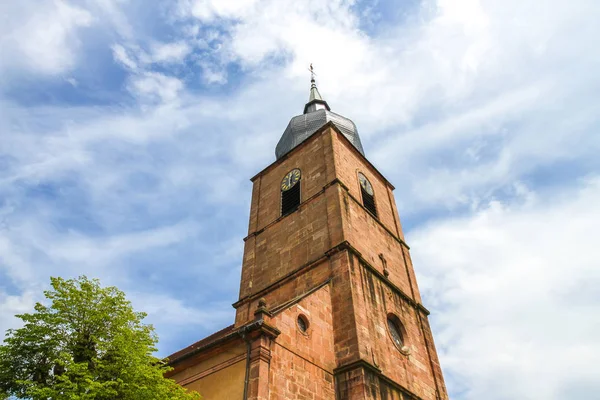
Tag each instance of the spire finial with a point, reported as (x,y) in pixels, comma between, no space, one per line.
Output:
(314,92)
(315,101)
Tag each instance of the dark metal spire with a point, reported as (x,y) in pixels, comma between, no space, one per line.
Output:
(316,114)
(314,92)
(315,101)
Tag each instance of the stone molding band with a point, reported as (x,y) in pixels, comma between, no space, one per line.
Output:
(363,364)
(328,254)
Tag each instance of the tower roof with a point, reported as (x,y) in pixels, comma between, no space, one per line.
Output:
(316,114)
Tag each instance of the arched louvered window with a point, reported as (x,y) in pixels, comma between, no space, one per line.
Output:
(290,191)
(366,190)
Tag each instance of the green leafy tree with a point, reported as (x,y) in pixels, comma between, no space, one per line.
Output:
(88,343)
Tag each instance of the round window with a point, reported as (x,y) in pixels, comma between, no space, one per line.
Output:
(302,323)
(395,332)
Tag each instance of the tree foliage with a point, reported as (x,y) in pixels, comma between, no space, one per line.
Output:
(88,343)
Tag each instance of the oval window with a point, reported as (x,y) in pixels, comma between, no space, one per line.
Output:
(395,332)
(302,323)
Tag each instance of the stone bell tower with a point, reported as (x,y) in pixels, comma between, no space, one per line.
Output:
(329,306)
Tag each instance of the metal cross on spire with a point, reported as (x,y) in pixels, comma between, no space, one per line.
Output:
(312,74)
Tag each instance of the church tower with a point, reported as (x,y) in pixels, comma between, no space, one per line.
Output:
(328,306)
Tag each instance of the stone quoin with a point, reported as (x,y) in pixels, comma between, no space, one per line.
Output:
(328,306)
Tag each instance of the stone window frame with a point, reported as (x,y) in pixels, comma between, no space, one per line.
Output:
(281,194)
(302,317)
(362,199)
(404,349)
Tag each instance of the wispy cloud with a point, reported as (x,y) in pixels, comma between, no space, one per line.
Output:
(512,291)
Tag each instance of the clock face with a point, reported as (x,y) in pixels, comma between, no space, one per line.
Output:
(290,179)
(366,185)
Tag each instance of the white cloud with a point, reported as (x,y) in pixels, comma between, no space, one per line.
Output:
(213,74)
(114,14)
(12,305)
(156,86)
(122,56)
(173,317)
(80,250)
(146,83)
(134,57)
(170,52)
(514,299)
(41,36)
(207,10)
(72,81)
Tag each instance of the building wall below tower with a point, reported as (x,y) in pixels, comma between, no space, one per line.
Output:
(216,374)
(291,287)
(227,383)
(302,364)
(294,378)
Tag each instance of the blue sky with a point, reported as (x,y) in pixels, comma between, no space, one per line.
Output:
(129,130)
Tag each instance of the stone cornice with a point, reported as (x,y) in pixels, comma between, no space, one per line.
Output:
(249,331)
(376,371)
(356,364)
(303,268)
(281,307)
(258,328)
(328,254)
